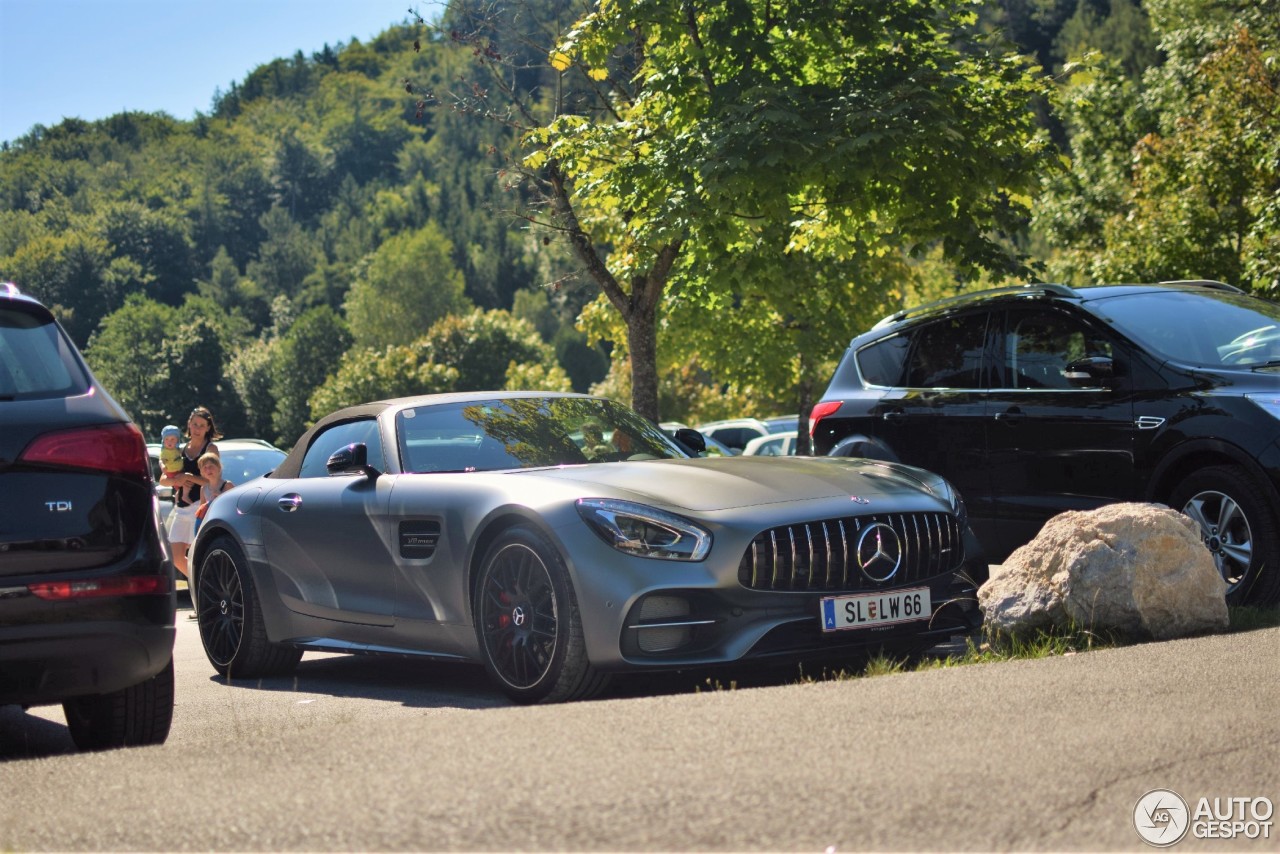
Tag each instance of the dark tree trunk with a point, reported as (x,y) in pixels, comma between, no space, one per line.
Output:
(642,343)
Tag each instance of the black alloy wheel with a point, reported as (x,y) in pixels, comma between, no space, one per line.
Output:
(230,617)
(527,622)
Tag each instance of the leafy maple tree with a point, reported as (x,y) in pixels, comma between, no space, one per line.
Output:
(701,148)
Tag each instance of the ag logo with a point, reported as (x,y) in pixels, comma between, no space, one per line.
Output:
(1161,817)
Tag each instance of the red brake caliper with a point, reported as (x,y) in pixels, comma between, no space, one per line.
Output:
(504,619)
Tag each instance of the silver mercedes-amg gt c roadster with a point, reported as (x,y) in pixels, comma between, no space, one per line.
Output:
(560,539)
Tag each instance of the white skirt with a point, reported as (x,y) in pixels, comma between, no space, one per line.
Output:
(181,524)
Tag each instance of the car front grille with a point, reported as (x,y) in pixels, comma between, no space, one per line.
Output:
(824,555)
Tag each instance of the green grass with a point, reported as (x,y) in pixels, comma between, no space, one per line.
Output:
(1247,619)
(1042,645)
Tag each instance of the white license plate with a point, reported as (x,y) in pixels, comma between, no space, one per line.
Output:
(867,610)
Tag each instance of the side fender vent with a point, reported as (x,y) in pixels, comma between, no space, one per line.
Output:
(418,539)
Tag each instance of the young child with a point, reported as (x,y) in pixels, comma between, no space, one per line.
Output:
(211,471)
(170,454)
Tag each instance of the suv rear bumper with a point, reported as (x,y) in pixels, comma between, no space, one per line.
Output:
(49,662)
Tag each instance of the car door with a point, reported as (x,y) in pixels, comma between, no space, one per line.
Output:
(1054,443)
(325,535)
(936,419)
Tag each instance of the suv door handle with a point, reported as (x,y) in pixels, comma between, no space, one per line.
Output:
(1012,415)
(895,415)
(289,503)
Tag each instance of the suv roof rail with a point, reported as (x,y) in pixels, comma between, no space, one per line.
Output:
(1042,289)
(1206,283)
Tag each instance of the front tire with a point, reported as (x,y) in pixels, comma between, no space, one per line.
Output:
(131,717)
(1239,527)
(230,617)
(528,624)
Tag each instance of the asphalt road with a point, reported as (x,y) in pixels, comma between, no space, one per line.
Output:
(374,754)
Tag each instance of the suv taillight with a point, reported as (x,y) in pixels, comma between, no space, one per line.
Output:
(113,448)
(129,585)
(821,411)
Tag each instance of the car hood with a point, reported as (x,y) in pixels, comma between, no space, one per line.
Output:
(720,483)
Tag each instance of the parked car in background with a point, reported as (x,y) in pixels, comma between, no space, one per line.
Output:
(242,461)
(474,527)
(781,423)
(710,447)
(87,596)
(773,445)
(1039,399)
(735,432)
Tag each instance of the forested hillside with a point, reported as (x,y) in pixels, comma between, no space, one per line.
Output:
(348,225)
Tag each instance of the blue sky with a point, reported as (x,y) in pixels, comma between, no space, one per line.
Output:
(94,58)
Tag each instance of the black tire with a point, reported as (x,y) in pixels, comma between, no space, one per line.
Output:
(528,624)
(230,617)
(131,717)
(1239,526)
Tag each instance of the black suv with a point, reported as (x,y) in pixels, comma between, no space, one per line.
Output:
(1038,399)
(87,592)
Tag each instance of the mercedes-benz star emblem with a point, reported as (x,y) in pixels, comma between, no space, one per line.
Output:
(879,552)
(517,615)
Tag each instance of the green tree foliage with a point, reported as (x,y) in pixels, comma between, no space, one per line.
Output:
(855,125)
(156,241)
(285,258)
(480,351)
(128,356)
(68,272)
(752,182)
(159,361)
(482,346)
(301,177)
(409,284)
(365,374)
(1176,176)
(1118,30)
(304,357)
(1205,199)
(250,373)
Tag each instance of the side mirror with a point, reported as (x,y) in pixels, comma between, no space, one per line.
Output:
(1090,369)
(692,439)
(353,459)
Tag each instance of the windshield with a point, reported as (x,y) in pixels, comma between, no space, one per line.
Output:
(1208,329)
(525,432)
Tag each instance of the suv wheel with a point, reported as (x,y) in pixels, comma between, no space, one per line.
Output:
(1240,529)
(131,717)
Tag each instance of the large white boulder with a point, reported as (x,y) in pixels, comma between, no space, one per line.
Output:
(1135,570)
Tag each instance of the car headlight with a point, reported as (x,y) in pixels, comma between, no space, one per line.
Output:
(644,531)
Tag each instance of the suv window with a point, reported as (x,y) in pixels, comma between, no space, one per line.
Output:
(882,363)
(339,436)
(1040,345)
(948,354)
(34,360)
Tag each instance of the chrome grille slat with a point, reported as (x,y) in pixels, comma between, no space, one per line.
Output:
(808,532)
(791,574)
(826,539)
(773,538)
(790,557)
